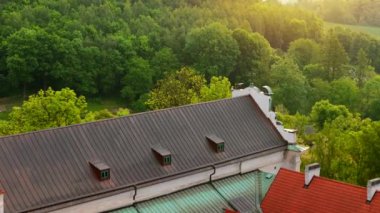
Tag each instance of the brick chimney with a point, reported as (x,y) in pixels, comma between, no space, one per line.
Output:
(311,170)
(372,186)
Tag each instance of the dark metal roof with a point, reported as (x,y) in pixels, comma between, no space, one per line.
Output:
(51,167)
(214,139)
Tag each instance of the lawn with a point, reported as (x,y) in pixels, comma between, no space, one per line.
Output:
(6,105)
(112,104)
(374,31)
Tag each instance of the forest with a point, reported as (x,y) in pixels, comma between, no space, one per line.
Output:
(355,12)
(156,54)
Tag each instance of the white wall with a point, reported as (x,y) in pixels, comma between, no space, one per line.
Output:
(149,192)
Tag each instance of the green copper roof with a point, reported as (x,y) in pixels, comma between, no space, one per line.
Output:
(297,148)
(197,199)
(127,210)
(244,185)
(206,198)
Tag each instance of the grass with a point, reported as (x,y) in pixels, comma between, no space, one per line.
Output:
(6,105)
(374,31)
(112,104)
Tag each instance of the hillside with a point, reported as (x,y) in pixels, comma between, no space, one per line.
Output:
(374,31)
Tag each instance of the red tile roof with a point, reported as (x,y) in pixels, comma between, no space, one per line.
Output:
(287,194)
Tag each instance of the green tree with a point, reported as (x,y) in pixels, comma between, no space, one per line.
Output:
(344,92)
(212,50)
(254,59)
(219,88)
(370,102)
(176,89)
(49,109)
(304,52)
(164,61)
(334,57)
(325,112)
(363,70)
(139,79)
(290,86)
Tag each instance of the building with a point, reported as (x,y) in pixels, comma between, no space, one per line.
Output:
(115,163)
(296,192)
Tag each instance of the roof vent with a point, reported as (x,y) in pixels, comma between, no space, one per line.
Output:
(267,91)
(162,154)
(372,186)
(311,170)
(101,169)
(216,143)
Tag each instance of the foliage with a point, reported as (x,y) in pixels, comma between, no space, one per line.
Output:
(219,88)
(324,112)
(344,92)
(48,109)
(304,52)
(334,57)
(253,63)
(290,85)
(186,86)
(176,89)
(212,50)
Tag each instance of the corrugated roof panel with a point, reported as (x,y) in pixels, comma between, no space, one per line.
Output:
(197,199)
(127,210)
(244,185)
(51,166)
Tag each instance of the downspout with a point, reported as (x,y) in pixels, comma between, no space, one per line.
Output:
(217,191)
(134,195)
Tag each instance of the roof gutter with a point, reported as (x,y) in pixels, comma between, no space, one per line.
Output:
(150,180)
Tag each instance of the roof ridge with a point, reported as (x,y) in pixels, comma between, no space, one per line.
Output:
(110,119)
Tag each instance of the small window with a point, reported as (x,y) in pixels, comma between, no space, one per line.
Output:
(167,160)
(220,147)
(104,175)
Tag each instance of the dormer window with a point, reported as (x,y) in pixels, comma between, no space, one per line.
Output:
(163,155)
(220,147)
(104,175)
(216,143)
(101,170)
(167,160)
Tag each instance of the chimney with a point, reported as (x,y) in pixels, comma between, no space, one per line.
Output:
(372,186)
(311,170)
(1,201)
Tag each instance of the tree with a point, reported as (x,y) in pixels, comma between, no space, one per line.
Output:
(370,102)
(163,61)
(254,59)
(344,92)
(363,70)
(290,85)
(334,57)
(304,52)
(219,88)
(176,89)
(139,79)
(324,112)
(49,109)
(212,50)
